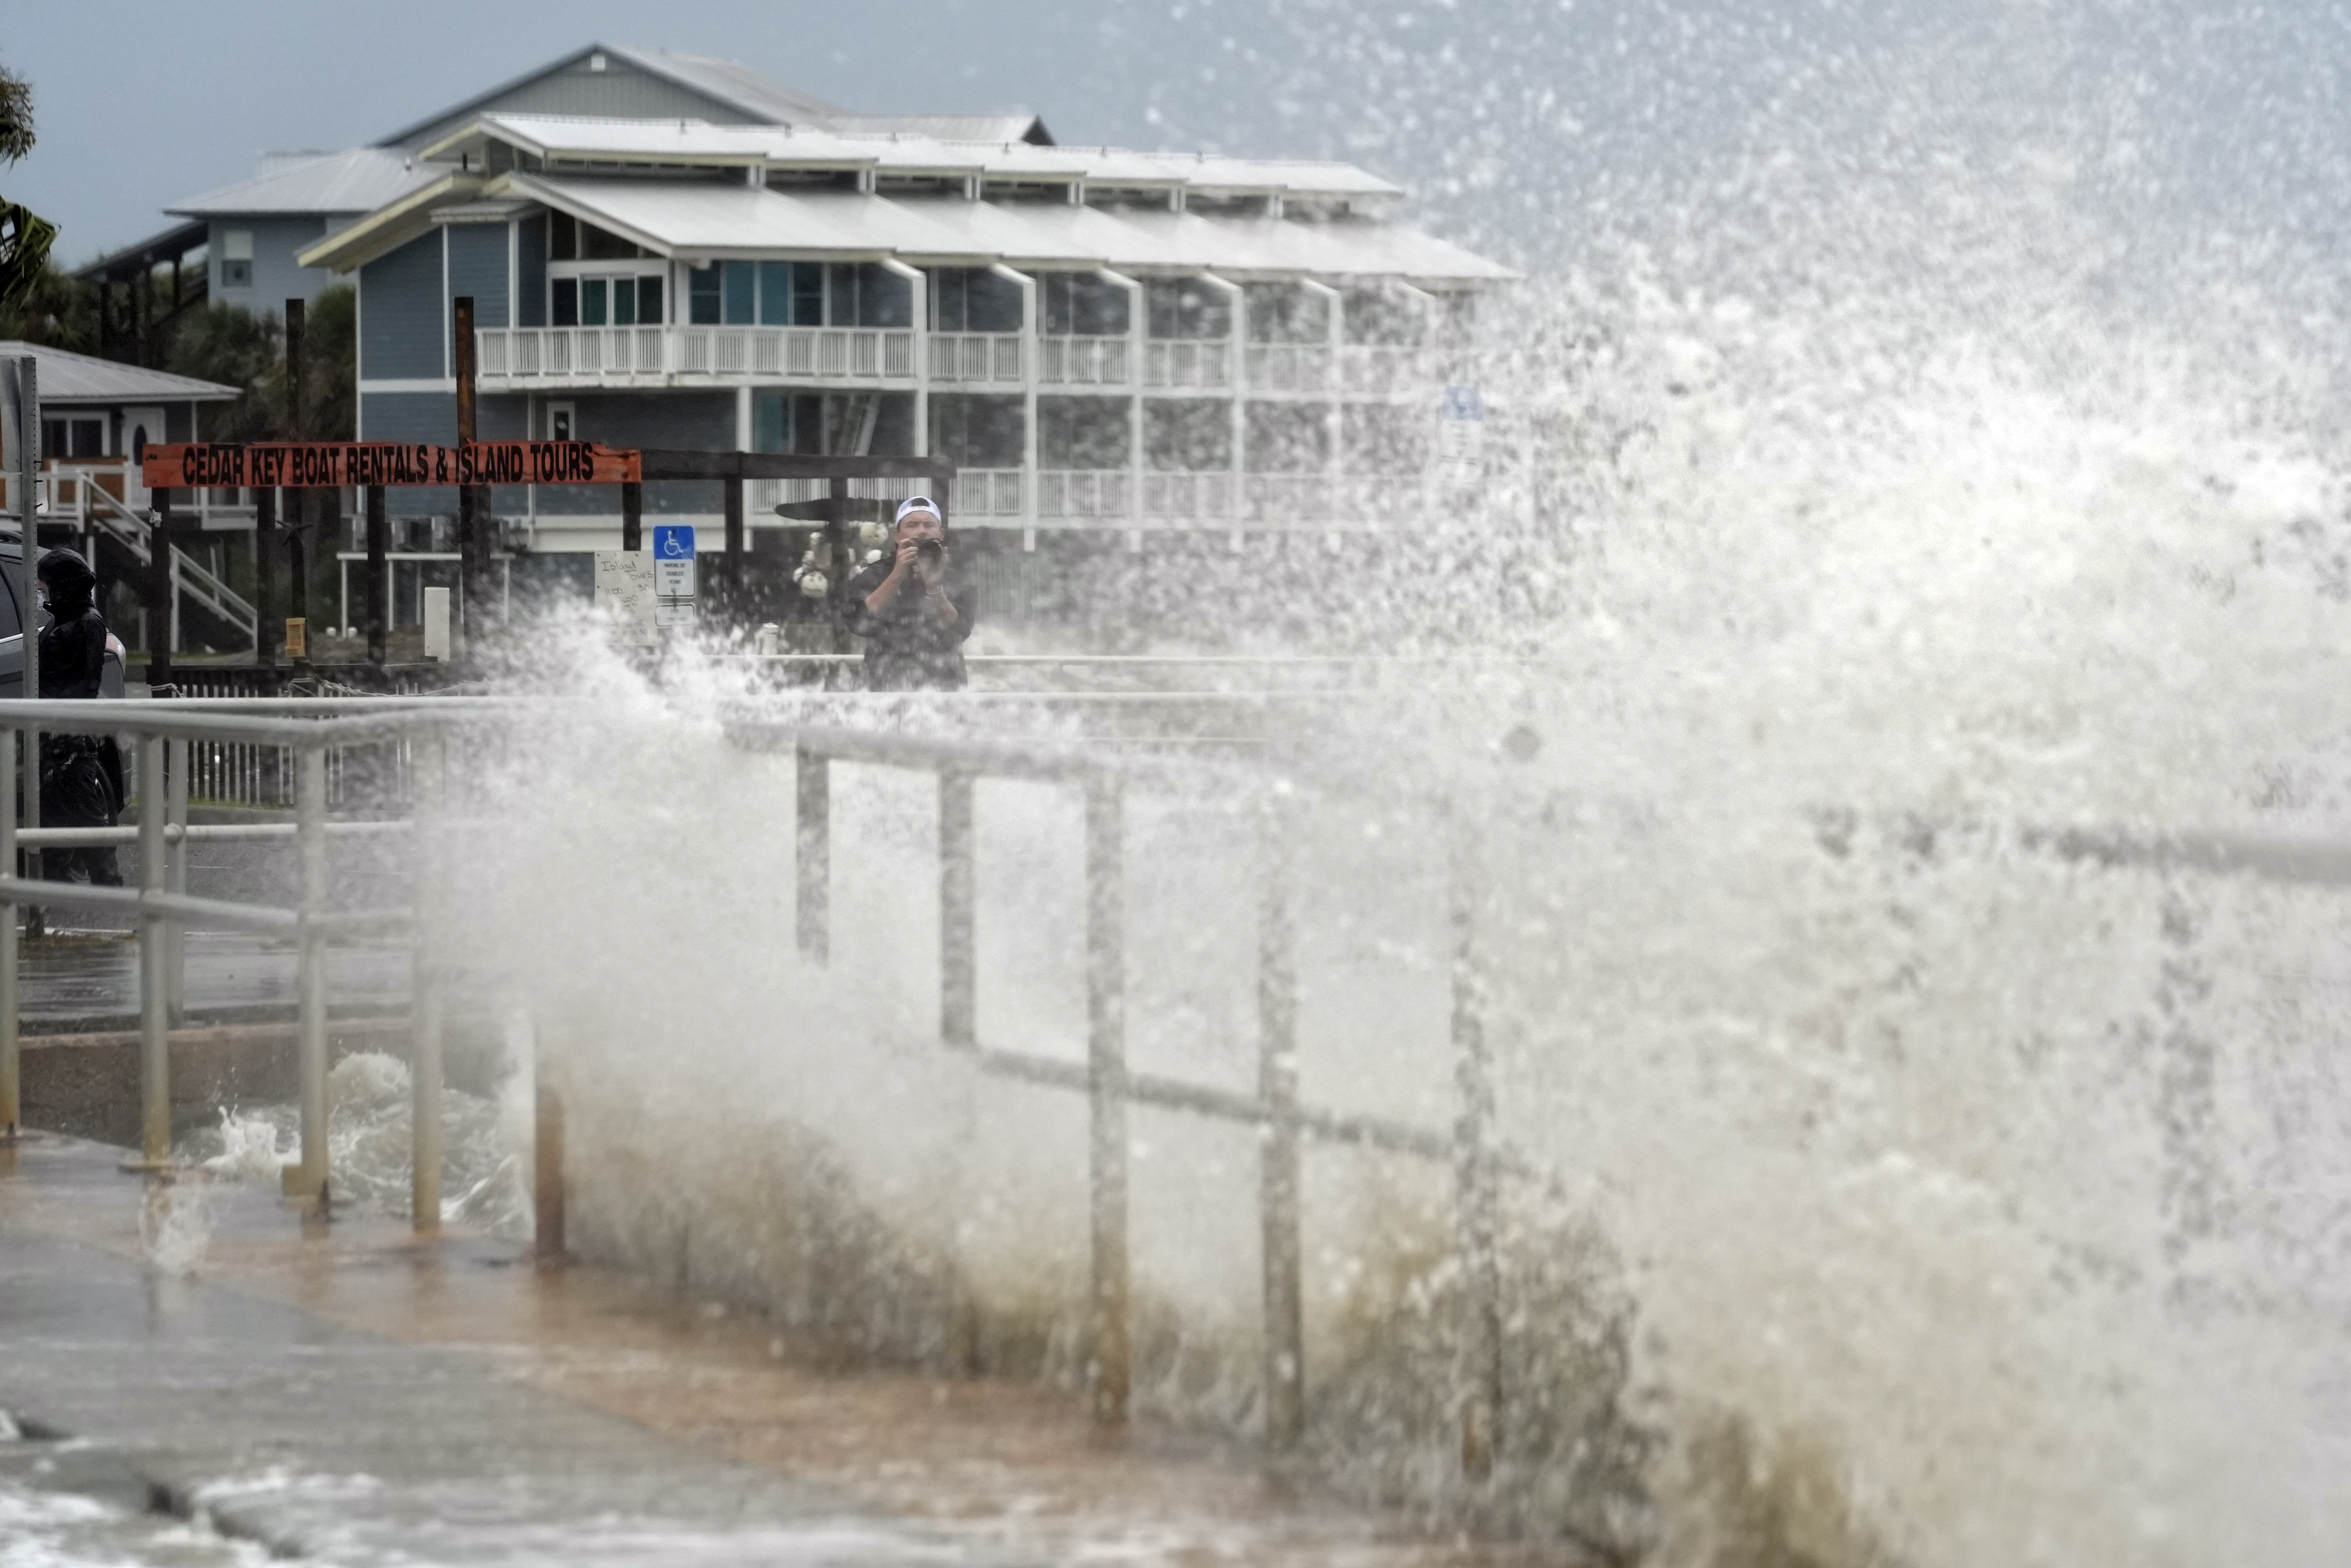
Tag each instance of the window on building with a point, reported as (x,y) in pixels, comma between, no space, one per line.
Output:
(624,302)
(1188,435)
(562,421)
(73,438)
(740,283)
(703,306)
(977,431)
(1385,438)
(974,299)
(649,301)
(1082,431)
(236,258)
(867,294)
(1379,316)
(1082,305)
(565,307)
(791,294)
(595,300)
(1285,313)
(1187,308)
(568,239)
(1287,437)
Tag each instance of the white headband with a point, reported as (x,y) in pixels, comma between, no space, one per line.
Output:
(915,504)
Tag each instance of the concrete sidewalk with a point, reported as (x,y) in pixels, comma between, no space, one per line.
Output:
(322,1440)
(346,1393)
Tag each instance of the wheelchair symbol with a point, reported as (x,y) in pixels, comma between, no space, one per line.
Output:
(674,544)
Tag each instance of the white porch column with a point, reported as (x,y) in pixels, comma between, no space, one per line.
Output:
(1032,347)
(918,283)
(1138,330)
(1335,417)
(1237,369)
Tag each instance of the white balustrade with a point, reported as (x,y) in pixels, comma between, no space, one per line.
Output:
(1188,497)
(1288,367)
(1082,362)
(1085,494)
(1207,364)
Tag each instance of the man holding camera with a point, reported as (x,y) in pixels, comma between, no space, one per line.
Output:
(912,612)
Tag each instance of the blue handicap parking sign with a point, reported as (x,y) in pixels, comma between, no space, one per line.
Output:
(673,541)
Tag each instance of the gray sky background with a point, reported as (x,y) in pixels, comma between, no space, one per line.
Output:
(1526,126)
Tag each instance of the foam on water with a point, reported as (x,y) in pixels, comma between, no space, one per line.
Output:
(370,1123)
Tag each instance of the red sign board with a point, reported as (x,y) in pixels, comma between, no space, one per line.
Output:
(302,463)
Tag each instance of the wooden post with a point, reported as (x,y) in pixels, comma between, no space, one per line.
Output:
(730,593)
(161,597)
(958,889)
(473,545)
(379,550)
(265,576)
(297,502)
(1277,1170)
(1113,1370)
(812,912)
(633,517)
(1476,1223)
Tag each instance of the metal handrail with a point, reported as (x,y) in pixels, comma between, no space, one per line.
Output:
(162,732)
(1471,1146)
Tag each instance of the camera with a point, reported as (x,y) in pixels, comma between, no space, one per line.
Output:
(929,550)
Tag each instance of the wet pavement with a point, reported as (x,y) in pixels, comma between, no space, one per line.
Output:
(343,1393)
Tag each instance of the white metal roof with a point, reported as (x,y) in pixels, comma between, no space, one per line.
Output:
(71,378)
(1019,125)
(704,220)
(558,139)
(357,181)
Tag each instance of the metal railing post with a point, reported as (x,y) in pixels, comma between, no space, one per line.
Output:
(958,889)
(11,1083)
(1106,1074)
(308,1178)
(547,1160)
(1475,1196)
(1277,1170)
(154,968)
(812,858)
(424,1074)
(175,853)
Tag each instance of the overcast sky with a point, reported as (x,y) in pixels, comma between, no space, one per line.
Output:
(1522,125)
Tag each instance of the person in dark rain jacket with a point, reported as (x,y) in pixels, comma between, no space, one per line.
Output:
(81,775)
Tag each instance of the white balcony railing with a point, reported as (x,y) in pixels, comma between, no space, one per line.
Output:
(1082,362)
(964,358)
(1288,367)
(1187,497)
(1187,365)
(552,356)
(1079,494)
(986,493)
